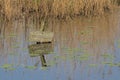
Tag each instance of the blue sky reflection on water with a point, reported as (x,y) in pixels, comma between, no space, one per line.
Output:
(62,73)
(95,53)
(64,70)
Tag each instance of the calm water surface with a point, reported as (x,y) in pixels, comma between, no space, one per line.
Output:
(83,49)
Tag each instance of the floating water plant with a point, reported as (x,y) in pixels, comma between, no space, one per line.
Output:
(11,69)
(34,54)
(108,56)
(84,42)
(84,56)
(5,66)
(8,67)
(12,35)
(109,63)
(31,67)
(43,68)
(93,65)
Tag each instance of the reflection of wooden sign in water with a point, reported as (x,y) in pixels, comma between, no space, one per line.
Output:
(41,50)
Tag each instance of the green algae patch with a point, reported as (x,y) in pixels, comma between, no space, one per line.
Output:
(30,67)
(12,35)
(8,67)
(109,63)
(93,65)
(44,68)
(108,56)
(84,57)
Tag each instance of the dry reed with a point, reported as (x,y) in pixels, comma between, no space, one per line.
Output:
(54,8)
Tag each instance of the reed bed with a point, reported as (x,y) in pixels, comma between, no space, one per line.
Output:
(54,8)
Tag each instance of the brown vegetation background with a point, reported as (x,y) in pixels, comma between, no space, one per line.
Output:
(54,8)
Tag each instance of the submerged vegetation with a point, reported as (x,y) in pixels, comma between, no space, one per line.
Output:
(8,67)
(54,8)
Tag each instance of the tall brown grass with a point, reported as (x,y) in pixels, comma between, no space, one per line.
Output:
(54,8)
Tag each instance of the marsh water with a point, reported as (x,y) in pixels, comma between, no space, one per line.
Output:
(83,49)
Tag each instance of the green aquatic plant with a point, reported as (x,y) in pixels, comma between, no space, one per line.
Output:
(31,67)
(34,54)
(44,68)
(84,42)
(11,69)
(93,65)
(12,35)
(111,56)
(112,63)
(79,50)
(109,63)
(84,57)
(7,67)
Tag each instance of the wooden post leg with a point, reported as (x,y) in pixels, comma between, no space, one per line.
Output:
(43,61)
